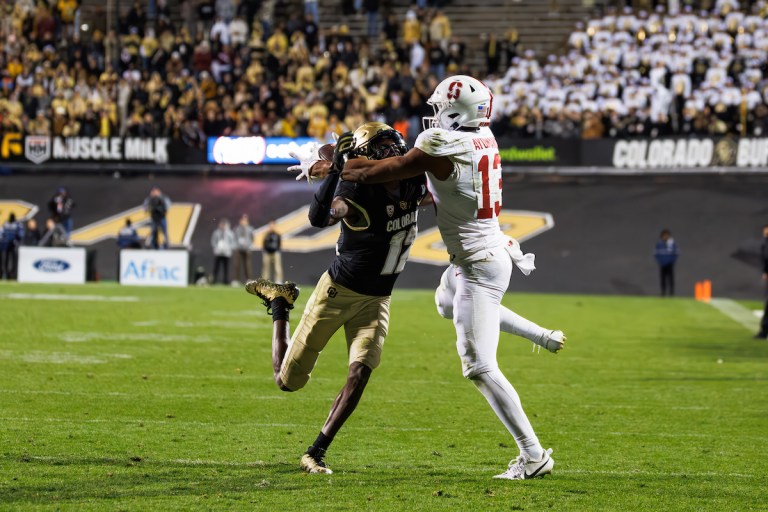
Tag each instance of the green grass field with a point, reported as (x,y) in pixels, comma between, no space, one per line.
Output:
(158,399)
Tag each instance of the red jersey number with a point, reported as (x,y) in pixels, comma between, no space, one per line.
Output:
(490,198)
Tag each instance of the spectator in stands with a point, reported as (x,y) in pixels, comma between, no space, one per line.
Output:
(157,205)
(127,237)
(55,235)
(272,259)
(311,10)
(10,237)
(31,236)
(223,243)
(440,29)
(61,206)
(666,256)
(371,8)
(243,250)
(411,28)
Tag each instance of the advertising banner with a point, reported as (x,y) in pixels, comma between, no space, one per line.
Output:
(256,150)
(41,149)
(669,154)
(51,265)
(154,268)
(539,153)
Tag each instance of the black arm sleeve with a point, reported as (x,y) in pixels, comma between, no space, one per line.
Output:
(320,209)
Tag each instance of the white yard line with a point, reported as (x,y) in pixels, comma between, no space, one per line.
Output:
(736,312)
(69,297)
(377,428)
(81,337)
(39,356)
(434,467)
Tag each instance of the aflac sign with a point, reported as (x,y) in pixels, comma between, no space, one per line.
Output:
(154,268)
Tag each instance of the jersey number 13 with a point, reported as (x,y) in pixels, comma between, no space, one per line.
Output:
(489,195)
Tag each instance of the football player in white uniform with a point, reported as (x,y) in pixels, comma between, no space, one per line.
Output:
(460,155)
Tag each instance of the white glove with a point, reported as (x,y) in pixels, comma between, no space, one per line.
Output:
(306,161)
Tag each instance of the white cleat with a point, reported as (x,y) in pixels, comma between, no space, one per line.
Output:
(554,341)
(523,468)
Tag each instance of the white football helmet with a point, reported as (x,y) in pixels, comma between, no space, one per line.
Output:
(460,101)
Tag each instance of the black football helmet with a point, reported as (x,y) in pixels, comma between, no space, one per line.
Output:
(377,141)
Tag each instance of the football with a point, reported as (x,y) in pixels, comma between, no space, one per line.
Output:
(326,152)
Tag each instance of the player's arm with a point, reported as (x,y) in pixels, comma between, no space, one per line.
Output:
(321,210)
(341,209)
(413,163)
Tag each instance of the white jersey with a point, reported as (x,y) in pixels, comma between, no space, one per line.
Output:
(469,201)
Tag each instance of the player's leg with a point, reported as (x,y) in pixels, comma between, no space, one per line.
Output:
(509,321)
(164,227)
(265,271)
(763,332)
(479,290)
(446,291)
(248,265)
(237,261)
(277,261)
(154,235)
(313,461)
(365,329)
(279,301)
(671,279)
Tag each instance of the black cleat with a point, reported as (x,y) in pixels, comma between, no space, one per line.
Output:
(269,291)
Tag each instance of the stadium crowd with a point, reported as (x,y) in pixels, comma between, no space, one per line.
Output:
(229,68)
(223,69)
(638,73)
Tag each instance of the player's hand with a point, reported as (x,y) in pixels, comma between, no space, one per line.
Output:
(344,147)
(306,160)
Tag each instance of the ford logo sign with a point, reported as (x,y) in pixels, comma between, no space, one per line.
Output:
(51,265)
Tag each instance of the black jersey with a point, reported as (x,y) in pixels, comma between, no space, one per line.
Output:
(372,252)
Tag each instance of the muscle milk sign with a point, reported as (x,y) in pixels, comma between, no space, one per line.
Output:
(39,149)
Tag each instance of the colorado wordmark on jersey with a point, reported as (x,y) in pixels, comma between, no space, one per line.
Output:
(469,201)
(372,252)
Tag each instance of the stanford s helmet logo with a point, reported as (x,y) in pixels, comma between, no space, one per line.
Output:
(454,90)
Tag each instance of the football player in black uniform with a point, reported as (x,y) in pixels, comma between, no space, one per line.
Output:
(378,226)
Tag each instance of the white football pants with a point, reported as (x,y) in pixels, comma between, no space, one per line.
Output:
(475,306)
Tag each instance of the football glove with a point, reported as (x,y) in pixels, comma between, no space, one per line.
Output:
(306,160)
(344,147)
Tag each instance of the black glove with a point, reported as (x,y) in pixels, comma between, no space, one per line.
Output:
(341,152)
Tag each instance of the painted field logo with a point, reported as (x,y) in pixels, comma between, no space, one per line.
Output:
(51,266)
(148,270)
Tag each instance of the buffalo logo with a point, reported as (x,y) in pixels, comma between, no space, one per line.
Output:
(37,148)
(403,205)
(390,210)
(725,152)
(332,292)
(51,266)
